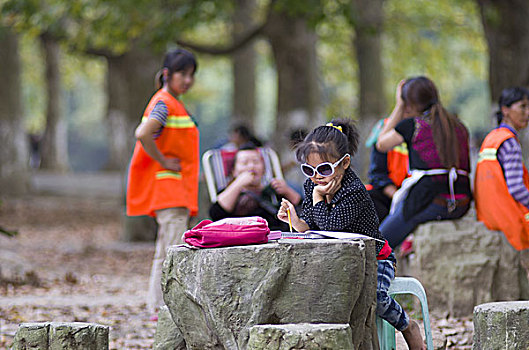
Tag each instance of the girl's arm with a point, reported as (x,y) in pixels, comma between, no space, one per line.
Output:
(145,133)
(388,137)
(228,198)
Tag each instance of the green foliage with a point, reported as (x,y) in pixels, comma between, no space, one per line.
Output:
(113,25)
(337,63)
(441,39)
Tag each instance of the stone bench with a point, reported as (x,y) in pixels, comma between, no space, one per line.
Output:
(461,264)
(61,335)
(503,325)
(215,296)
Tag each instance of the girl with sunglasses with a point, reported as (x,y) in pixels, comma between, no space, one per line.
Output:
(336,200)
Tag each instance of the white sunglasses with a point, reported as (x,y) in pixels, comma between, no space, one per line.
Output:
(323,169)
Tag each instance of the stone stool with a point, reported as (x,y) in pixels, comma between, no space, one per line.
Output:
(501,325)
(61,335)
(308,336)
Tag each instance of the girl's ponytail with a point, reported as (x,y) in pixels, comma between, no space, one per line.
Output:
(349,129)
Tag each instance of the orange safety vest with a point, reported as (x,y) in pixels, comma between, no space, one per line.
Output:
(398,164)
(494,204)
(151,187)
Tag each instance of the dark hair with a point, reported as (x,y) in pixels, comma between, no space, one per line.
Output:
(248,146)
(329,142)
(421,93)
(246,134)
(176,61)
(508,97)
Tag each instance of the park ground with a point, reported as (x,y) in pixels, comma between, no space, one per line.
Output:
(76,269)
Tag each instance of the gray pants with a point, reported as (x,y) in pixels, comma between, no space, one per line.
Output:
(172,223)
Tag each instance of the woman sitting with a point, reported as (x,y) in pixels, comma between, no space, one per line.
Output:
(439,187)
(502,183)
(247,196)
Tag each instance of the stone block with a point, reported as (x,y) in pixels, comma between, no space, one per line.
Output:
(167,336)
(61,336)
(501,326)
(216,295)
(461,264)
(304,336)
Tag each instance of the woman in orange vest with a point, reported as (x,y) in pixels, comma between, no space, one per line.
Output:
(501,186)
(163,173)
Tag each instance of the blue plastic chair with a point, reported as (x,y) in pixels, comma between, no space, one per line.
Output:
(385,331)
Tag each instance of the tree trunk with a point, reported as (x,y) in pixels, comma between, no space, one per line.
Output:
(506,28)
(130,84)
(298,100)
(55,140)
(368,20)
(244,67)
(14,172)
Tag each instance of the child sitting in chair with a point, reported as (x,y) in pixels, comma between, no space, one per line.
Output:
(246,195)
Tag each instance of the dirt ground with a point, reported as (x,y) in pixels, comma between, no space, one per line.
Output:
(76,269)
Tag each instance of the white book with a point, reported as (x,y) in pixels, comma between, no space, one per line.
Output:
(343,235)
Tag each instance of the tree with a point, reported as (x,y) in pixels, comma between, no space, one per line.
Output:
(244,64)
(55,140)
(14,173)
(506,28)
(130,82)
(367,17)
(293,45)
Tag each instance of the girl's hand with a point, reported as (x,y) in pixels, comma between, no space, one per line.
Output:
(282,213)
(329,189)
(171,163)
(297,223)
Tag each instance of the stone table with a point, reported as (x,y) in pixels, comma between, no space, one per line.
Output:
(216,295)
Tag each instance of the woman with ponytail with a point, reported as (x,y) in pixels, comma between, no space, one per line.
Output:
(163,173)
(439,186)
(502,182)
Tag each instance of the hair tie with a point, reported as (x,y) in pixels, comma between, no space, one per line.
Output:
(335,126)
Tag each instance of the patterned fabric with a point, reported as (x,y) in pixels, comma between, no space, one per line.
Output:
(159,113)
(350,210)
(387,308)
(510,158)
(417,133)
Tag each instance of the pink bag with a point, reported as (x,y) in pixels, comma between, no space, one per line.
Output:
(228,232)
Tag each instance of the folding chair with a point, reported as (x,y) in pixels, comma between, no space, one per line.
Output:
(386,332)
(218,163)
